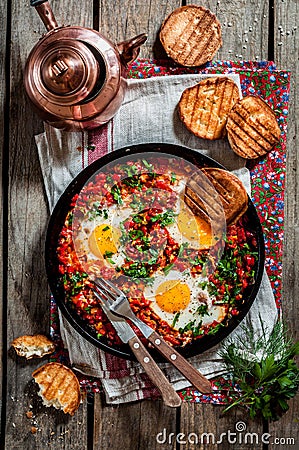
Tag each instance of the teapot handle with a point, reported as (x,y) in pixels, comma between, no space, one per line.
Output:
(45,12)
(129,50)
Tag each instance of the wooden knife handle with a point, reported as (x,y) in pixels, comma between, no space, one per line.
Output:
(193,375)
(169,395)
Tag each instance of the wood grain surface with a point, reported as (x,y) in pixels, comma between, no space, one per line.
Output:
(3,53)
(135,18)
(255,30)
(286,54)
(244,27)
(28,294)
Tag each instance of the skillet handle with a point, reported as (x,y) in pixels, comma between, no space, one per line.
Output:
(175,358)
(169,395)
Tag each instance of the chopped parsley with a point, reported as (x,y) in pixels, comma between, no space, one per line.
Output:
(196,329)
(136,234)
(147,165)
(175,319)
(108,255)
(166,218)
(202,310)
(182,248)
(136,270)
(137,219)
(216,328)
(75,281)
(95,211)
(168,268)
(116,194)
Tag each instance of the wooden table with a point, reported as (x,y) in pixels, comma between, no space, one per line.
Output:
(255,29)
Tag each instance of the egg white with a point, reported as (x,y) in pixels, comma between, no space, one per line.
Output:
(179,319)
(81,235)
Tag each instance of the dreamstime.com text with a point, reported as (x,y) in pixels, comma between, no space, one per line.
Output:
(237,436)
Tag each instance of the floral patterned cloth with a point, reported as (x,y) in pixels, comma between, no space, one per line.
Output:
(267,177)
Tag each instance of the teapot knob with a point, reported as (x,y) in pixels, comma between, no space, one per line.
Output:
(129,50)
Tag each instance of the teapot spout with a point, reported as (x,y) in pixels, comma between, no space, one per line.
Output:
(45,12)
(129,50)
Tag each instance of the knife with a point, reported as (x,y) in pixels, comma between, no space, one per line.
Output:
(117,303)
(128,336)
(121,307)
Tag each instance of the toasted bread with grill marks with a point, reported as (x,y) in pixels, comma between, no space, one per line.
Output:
(59,387)
(191,35)
(252,128)
(204,108)
(203,200)
(35,346)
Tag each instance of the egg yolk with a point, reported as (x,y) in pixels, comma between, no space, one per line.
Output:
(194,228)
(172,296)
(104,240)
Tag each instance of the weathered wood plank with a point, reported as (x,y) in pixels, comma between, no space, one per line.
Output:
(28,294)
(286,44)
(134,426)
(121,21)
(3,44)
(245,36)
(244,27)
(205,427)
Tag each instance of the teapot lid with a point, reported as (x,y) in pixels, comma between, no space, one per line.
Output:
(66,71)
(73,73)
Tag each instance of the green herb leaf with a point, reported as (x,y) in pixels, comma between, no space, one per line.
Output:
(175,319)
(264,368)
(166,218)
(168,268)
(147,165)
(203,310)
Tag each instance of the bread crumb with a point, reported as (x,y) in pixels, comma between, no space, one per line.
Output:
(33,430)
(33,346)
(29,414)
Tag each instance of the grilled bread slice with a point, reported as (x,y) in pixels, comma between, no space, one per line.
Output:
(204,108)
(59,387)
(252,128)
(191,35)
(202,198)
(227,187)
(35,346)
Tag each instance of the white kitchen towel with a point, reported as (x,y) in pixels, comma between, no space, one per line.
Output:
(148,114)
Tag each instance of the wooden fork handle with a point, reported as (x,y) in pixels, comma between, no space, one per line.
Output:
(168,393)
(193,375)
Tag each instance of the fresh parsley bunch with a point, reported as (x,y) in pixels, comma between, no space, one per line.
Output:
(265,370)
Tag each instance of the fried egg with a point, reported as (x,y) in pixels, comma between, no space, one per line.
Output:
(103,240)
(180,300)
(99,238)
(190,229)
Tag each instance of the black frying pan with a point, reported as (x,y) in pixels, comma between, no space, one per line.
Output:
(57,221)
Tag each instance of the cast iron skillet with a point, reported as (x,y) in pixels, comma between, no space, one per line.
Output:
(58,218)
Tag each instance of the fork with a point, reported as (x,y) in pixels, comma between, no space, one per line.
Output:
(127,335)
(119,304)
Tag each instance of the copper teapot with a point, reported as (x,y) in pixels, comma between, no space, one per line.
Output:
(74,76)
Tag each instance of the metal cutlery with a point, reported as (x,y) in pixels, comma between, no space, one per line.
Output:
(119,304)
(127,335)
